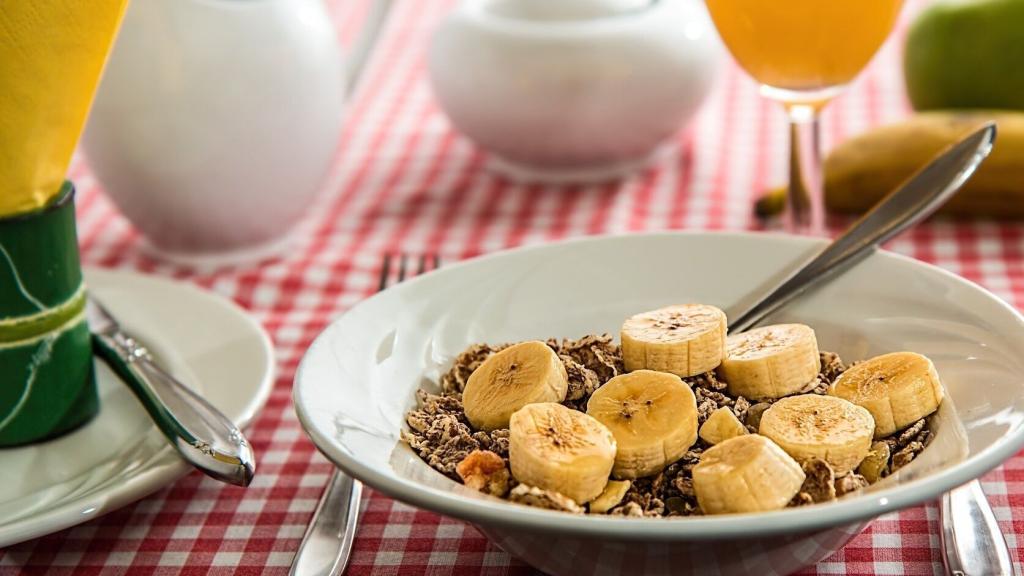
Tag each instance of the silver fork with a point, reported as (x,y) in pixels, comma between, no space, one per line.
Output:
(327,543)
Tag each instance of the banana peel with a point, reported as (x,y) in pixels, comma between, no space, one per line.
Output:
(862,170)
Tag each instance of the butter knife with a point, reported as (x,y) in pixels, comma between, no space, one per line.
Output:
(200,433)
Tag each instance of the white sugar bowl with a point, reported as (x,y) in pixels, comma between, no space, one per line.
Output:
(575,89)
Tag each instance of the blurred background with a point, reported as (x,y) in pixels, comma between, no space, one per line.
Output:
(226,148)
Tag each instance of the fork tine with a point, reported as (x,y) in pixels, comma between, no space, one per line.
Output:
(385,272)
(403,265)
(423,263)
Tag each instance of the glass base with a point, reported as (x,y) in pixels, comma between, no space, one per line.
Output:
(804,210)
(814,98)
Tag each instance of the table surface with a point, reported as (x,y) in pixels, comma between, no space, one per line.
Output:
(403,181)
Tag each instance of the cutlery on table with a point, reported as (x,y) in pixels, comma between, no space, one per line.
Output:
(327,543)
(200,433)
(972,541)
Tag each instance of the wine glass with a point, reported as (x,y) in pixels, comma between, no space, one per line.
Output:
(804,53)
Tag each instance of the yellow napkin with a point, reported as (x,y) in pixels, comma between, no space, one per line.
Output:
(51,56)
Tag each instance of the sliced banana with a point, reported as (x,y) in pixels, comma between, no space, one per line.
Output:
(721,425)
(686,340)
(562,450)
(770,361)
(876,464)
(898,389)
(816,426)
(522,374)
(653,416)
(747,473)
(613,493)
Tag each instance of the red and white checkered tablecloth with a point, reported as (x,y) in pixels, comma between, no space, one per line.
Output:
(404,181)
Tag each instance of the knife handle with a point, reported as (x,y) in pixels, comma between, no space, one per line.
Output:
(200,433)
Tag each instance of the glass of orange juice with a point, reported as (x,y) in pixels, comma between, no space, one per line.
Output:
(804,53)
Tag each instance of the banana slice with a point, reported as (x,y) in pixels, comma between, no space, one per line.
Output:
(721,425)
(613,493)
(771,361)
(653,416)
(825,427)
(876,464)
(522,374)
(559,449)
(898,389)
(685,340)
(747,473)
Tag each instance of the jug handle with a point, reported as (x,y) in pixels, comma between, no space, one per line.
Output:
(362,46)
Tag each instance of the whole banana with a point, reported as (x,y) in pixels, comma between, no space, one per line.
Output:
(863,169)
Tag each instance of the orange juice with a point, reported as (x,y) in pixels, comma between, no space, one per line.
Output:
(803,45)
(51,57)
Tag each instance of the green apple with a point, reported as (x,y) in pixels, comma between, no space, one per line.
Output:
(967,54)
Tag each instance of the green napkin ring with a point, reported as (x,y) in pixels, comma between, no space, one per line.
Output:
(47,386)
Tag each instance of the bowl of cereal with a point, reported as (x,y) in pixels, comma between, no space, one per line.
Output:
(582,404)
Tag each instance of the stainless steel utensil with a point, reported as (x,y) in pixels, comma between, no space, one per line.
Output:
(971,538)
(916,199)
(199,432)
(972,542)
(327,543)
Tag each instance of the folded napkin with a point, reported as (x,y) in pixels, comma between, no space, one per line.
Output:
(51,58)
(50,63)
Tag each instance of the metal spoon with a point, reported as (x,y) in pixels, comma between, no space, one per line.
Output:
(973,543)
(916,199)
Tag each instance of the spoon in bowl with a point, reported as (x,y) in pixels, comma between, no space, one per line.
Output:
(971,538)
(916,199)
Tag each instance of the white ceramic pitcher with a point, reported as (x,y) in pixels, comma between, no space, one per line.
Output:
(216,121)
(573,90)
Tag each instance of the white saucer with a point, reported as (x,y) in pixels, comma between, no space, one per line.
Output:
(120,456)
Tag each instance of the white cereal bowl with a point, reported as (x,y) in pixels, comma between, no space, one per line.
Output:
(358,379)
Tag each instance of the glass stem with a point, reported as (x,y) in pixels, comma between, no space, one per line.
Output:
(805,201)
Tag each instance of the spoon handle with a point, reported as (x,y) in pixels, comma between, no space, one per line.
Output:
(913,201)
(971,538)
(199,432)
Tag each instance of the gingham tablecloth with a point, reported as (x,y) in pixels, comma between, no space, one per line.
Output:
(403,181)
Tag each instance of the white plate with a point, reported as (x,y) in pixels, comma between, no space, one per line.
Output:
(358,379)
(205,340)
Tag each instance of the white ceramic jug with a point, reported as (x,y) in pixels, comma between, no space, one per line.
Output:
(216,121)
(573,90)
